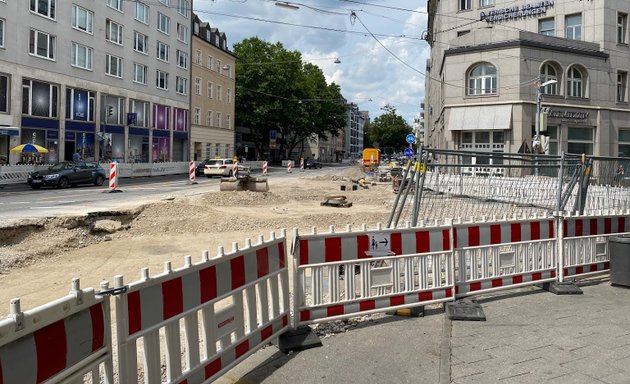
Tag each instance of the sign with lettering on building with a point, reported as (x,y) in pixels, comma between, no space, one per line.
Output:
(516,12)
(567,115)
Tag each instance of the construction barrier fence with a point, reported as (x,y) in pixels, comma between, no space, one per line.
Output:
(476,183)
(227,306)
(67,340)
(193,324)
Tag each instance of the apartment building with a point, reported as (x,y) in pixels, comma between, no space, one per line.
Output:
(353,145)
(109,78)
(499,66)
(213,90)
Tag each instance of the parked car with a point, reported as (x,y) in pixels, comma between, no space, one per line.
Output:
(312,163)
(68,173)
(200,167)
(223,168)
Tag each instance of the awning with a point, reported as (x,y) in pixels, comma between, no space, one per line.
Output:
(480,118)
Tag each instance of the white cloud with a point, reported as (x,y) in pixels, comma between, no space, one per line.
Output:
(367,71)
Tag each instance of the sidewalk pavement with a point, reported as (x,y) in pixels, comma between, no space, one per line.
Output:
(530,336)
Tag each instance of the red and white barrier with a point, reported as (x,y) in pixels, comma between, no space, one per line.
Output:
(243,301)
(113,177)
(234,168)
(301,165)
(289,166)
(501,282)
(61,341)
(397,268)
(192,176)
(345,246)
(577,226)
(264,168)
(503,232)
(584,243)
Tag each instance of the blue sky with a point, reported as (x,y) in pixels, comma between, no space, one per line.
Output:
(323,30)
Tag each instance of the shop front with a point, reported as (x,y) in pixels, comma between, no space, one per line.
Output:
(8,137)
(138,145)
(43,132)
(79,137)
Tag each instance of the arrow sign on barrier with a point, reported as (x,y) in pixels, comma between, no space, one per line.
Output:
(379,242)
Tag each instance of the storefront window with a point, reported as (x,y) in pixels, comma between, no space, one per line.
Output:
(141,110)
(160,116)
(580,140)
(39,99)
(79,105)
(4,93)
(113,110)
(624,143)
(161,147)
(84,143)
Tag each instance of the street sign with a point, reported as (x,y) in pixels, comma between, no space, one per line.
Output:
(410,138)
(380,245)
(408,152)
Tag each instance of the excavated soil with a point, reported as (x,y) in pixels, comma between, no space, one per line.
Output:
(39,258)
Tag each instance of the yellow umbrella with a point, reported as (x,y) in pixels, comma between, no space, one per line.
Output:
(29,148)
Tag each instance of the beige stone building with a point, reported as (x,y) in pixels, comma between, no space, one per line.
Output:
(490,59)
(213,87)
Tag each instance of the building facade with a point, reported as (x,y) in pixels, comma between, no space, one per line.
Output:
(353,144)
(499,66)
(213,90)
(109,79)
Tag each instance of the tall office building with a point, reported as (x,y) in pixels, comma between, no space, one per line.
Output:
(107,78)
(490,59)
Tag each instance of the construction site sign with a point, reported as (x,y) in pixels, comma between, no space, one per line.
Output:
(380,244)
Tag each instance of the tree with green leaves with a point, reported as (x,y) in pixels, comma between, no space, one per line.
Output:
(389,129)
(276,91)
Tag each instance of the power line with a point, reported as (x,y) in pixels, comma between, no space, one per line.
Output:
(307,26)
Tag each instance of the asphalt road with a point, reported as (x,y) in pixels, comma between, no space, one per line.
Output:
(19,201)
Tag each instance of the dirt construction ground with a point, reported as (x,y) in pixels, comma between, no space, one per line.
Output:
(39,259)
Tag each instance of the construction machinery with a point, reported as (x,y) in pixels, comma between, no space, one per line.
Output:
(371,159)
(242,180)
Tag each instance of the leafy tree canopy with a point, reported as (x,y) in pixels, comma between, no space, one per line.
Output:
(275,90)
(389,130)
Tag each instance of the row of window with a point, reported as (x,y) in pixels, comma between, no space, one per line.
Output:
(83,19)
(573,27)
(217,119)
(481,79)
(579,140)
(210,94)
(572,23)
(217,147)
(218,65)
(42,100)
(47,8)
(43,45)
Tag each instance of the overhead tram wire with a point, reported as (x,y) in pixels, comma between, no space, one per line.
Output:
(373,35)
(308,26)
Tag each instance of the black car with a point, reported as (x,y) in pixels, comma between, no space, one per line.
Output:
(68,173)
(200,167)
(312,163)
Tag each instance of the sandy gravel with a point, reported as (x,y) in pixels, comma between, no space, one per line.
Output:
(39,259)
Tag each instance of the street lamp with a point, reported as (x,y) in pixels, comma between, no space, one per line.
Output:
(286,4)
(538,102)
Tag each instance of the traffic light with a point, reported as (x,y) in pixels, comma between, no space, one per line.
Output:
(110,110)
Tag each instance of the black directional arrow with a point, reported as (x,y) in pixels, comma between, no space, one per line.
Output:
(384,242)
